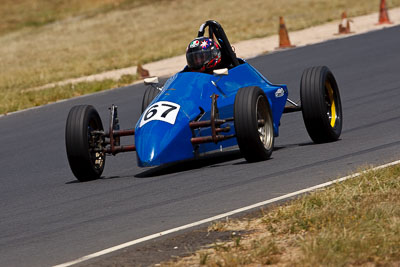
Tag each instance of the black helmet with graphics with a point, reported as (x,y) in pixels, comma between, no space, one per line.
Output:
(203,54)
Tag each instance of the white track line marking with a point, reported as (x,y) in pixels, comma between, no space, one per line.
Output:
(220,216)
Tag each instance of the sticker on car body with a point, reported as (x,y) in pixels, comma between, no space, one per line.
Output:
(161,111)
(279,93)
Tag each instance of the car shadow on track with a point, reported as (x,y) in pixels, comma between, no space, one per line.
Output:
(280,147)
(211,161)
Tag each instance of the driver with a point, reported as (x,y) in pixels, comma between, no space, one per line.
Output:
(203,55)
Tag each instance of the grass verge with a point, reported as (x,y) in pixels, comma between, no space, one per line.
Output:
(356,222)
(15,15)
(27,99)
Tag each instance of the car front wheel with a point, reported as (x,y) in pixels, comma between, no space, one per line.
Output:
(253,124)
(83,144)
(321,105)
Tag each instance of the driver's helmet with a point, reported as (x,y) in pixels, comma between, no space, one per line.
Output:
(203,54)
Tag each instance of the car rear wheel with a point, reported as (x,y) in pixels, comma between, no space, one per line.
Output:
(321,105)
(83,144)
(150,93)
(253,124)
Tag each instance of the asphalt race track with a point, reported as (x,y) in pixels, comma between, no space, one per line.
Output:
(48,218)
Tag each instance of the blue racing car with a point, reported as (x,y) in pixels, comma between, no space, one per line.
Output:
(203,109)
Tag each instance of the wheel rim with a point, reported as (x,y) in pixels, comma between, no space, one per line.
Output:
(95,144)
(331,104)
(264,122)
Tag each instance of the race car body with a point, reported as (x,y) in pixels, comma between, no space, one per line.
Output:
(162,134)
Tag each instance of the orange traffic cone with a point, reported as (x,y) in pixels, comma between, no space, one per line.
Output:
(344,26)
(383,14)
(141,72)
(284,41)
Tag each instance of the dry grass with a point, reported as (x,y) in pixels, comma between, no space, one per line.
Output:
(36,98)
(349,224)
(110,34)
(17,14)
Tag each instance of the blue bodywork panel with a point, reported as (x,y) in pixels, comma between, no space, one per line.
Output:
(162,134)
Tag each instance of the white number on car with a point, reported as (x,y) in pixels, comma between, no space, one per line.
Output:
(161,111)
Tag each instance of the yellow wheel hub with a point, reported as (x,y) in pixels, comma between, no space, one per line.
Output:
(332,102)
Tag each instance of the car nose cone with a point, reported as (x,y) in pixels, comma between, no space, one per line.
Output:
(158,142)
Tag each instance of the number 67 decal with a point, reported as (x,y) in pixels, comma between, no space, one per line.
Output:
(161,111)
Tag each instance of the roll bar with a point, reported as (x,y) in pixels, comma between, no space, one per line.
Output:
(215,29)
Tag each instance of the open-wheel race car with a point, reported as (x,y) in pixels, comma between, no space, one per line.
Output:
(195,113)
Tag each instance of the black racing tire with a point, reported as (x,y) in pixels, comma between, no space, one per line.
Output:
(321,105)
(150,93)
(85,163)
(253,124)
